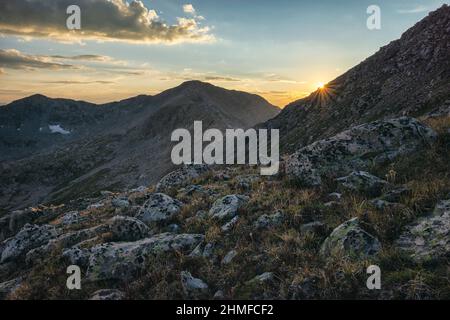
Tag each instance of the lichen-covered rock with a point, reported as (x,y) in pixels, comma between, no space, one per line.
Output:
(64,241)
(121,202)
(357,148)
(181,176)
(193,287)
(122,261)
(428,238)
(108,294)
(28,238)
(363,182)
(127,229)
(159,208)
(227,207)
(270,221)
(70,218)
(350,240)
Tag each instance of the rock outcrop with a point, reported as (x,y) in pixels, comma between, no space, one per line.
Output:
(357,148)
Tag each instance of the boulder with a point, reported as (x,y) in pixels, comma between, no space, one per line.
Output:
(270,221)
(428,238)
(71,218)
(350,240)
(363,182)
(122,261)
(128,229)
(28,238)
(159,208)
(181,177)
(227,207)
(121,203)
(358,148)
(193,287)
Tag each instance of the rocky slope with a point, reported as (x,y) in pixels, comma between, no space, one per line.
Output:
(227,232)
(409,76)
(117,145)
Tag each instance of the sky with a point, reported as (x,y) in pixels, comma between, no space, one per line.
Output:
(282,50)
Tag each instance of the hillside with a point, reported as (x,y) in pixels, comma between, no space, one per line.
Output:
(409,76)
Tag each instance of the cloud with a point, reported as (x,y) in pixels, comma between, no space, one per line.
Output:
(14,59)
(417,9)
(189,8)
(102,20)
(85,57)
(79,82)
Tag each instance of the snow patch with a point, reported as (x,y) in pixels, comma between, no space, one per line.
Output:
(58,129)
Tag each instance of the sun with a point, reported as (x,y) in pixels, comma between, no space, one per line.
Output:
(321,85)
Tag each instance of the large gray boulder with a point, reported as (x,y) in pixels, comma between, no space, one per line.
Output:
(65,240)
(28,238)
(227,207)
(122,261)
(363,182)
(350,240)
(127,229)
(428,238)
(358,148)
(181,177)
(159,208)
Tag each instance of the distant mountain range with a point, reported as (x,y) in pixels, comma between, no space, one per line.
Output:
(55,149)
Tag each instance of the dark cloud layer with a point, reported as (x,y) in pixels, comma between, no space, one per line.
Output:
(100,20)
(14,59)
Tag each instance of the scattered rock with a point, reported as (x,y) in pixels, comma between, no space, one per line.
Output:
(193,286)
(363,182)
(395,194)
(229,225)
(219,295)
(181,177)
(428,238)
(350,240)
(357,148)
(122,261)
(71,218)
(316,227)
(335,196)
(227,207)
(159,208)
(108,294)
(29,237)
(270,221)
(229,257)
(128,229)
(121,203)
